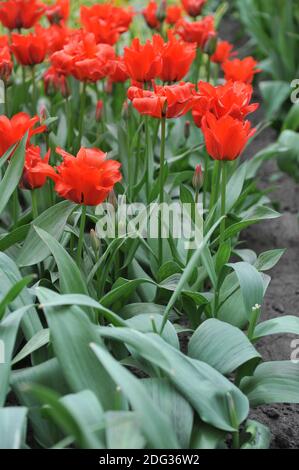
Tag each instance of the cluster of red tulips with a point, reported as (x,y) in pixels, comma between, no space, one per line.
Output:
(156,70)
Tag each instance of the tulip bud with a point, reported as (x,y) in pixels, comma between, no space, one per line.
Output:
(187,130)
(161,13)
(197,180)
(99,110)
(43,113)
(95,242)
(211,45)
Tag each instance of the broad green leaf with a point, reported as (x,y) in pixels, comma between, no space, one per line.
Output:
(79,415)
(273,382)
(204,387)
(174,405)
(13,293)
(70,278)
(53,221)
(8,333)
(274,94)
(71,333)
(13,237)
(251,284)
(206,437)
(222,346)
(260,435)
(188,272)
(148,323)
(268,259)
(123,430)
(10,276)
(155,424)
(13,173)
(48,374)
(79,300)
(122,291)
(276,326)
(13,424)
(40,339)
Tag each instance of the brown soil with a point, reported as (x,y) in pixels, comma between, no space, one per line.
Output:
(282,297)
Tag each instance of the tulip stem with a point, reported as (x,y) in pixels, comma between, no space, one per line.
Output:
(161,184)
(223,199)
(82,112)
(69,121)
(81,234)
(147,156)
(34,204)
(34,90)
(206,180)
(215,184)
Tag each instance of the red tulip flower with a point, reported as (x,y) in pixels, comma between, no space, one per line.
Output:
(99,110)
(173,14)
(240,70)
(198,31)
(193,7)
(224,51)
(226,137)
(106,21)
(87,178)
(150,15)
(13,130)
(169,101)
(6,64)
(59,12)
(36,169)
(231,99)
(55,81)
(30,49)
(17,14)
(55,36)
(117,70)
(177,57)
(143,62)
(83,58)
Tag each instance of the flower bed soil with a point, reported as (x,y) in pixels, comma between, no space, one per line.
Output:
(282,296)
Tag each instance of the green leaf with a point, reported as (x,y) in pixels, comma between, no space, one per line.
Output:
(188,271)
(8,333)
(13,424)
(204,387)
(71,280)
(71,333)
(40,339)
(260,435)
(79,415)
(13,293)
(53,221)
(14,237)
(146,324)
(251,284)
(30,323)
(274,94)
(47,374)
(123,430)
(268,259)
(79,300)
(235,349)
(174,405)
(123,291)
(273,382)
(206,437)
(276,326)
(155,424)
(13,173)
